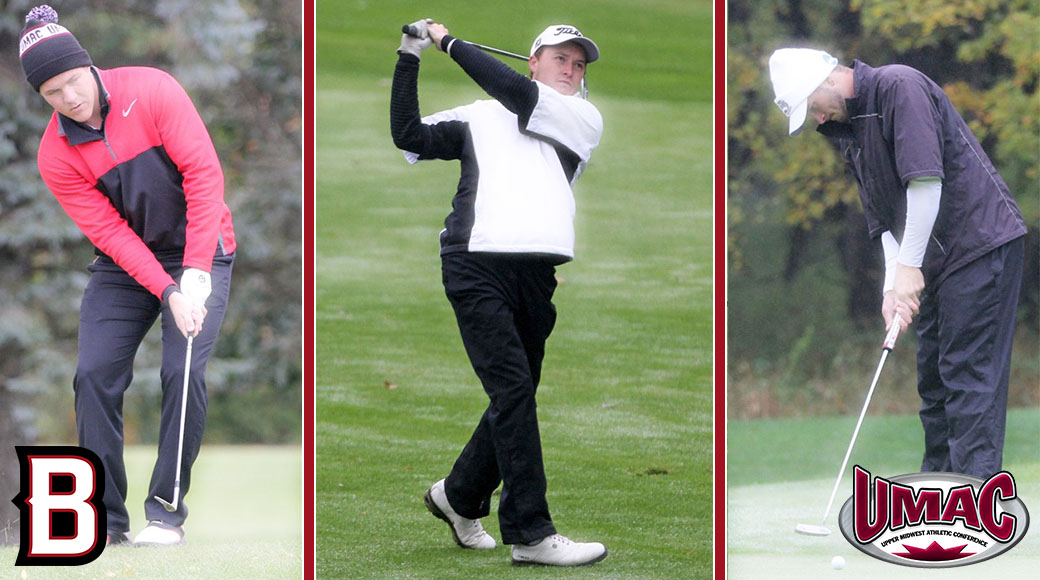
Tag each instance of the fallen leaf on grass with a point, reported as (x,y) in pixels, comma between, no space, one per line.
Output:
(652,471)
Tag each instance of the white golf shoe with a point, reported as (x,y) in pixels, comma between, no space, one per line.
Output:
(160,534)
(557,550)
(466,532)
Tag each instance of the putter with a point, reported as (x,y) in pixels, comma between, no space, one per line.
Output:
(886,347)
(412,31)
(172,506)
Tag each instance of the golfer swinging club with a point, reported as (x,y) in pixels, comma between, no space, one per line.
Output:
(128,158)
(952,237)
(511,225)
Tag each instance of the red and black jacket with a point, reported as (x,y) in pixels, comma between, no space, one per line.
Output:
(147,188)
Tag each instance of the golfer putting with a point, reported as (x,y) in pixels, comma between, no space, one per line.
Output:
(130,161)
(950,231)
(510,227)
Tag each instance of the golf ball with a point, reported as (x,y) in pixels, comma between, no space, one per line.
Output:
(837,562)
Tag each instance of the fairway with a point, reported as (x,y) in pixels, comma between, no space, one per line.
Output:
(782,473)
(626,392)
(246,522)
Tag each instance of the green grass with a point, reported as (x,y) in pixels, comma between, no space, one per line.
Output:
(781,473)
(245,522)
(790,450)
(626,393)
(652,49)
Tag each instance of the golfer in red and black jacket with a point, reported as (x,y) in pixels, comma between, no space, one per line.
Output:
(511,225)
(128,158)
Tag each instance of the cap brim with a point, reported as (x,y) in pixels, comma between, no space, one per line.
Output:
(797,118)
(591,50)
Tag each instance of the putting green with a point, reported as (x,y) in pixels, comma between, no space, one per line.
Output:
(761,536)
(781,473)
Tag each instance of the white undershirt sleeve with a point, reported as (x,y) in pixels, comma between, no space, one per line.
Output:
(891,247)
(922,205)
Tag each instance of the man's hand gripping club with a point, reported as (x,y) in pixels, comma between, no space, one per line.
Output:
(188,305)
(416,38)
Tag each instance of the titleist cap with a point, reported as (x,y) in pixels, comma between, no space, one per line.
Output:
(561,33)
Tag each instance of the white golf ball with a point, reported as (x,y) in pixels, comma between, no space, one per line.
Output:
(837,562)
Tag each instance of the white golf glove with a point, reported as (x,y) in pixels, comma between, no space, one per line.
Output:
(195,284)
(416,44)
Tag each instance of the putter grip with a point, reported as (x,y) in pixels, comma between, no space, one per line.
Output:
(893,333)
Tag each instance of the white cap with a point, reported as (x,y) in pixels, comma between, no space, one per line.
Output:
(796,73)
(561,33)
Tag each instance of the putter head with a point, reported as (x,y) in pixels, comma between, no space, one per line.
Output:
(169,507)
(811,530)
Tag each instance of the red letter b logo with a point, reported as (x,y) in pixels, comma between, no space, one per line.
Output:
(63,518)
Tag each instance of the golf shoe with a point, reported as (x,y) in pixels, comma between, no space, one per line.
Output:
(466,532)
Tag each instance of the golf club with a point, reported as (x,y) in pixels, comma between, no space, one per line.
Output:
(411,30)
(886,347)
(172,506)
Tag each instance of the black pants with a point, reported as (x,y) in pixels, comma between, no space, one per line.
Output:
(115,314)
(964,334)
(503,304)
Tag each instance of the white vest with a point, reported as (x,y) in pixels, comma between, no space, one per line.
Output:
(521,201)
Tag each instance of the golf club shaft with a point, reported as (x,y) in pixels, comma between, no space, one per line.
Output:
(172,506)
(498,51)
(412,31)
(890,341)
(184,412)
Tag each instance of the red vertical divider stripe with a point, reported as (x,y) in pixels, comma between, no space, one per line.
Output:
(307,386)
(719,525)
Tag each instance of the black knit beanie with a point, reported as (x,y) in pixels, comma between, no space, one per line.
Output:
(47,49)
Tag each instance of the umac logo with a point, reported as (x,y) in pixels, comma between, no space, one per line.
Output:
(933,520)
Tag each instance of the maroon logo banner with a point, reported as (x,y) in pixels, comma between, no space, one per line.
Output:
(933,520)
